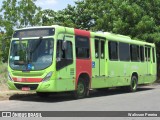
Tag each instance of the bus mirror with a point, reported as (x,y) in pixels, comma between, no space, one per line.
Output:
(64,45)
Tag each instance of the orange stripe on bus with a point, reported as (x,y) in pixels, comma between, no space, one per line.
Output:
(27,79)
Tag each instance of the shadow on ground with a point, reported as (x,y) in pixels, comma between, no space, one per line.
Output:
(60,97)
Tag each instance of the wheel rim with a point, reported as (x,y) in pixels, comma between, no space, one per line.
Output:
(80,89)
(134,84)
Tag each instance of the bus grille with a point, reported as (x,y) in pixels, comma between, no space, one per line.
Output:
(31,86)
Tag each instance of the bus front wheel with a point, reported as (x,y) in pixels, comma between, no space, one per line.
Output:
(133,84)
(81,89)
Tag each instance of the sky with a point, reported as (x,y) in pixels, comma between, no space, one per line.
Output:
(52,4)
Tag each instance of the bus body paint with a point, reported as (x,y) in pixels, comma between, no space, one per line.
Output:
(83,65)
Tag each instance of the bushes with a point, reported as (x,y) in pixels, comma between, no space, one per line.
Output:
(3,73)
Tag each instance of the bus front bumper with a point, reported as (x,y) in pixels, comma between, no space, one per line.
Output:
(48,86)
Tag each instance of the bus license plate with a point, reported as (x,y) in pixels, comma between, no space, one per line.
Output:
(25,88)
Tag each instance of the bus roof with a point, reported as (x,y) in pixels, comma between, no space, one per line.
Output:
(119,38)
(107,35)
(35,27)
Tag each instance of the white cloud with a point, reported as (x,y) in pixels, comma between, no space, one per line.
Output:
(46,4)
(54,4)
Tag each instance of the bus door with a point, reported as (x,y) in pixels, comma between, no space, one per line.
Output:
(148,59)
(100,56)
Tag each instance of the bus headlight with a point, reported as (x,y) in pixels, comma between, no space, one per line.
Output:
(9,77)
(48,76)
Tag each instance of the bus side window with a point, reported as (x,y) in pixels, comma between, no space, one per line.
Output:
(149,54)
(134,50)
(113,50)
(146,59)
(59,51)
(102,49)
(96,49)
(69,54)
(153,55)
(142,53)
(124,53)
(82,47)
(64,57)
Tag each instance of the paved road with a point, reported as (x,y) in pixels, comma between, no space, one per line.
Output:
(146,98)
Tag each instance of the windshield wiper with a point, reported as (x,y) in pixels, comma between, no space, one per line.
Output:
(37,45)
(31,51)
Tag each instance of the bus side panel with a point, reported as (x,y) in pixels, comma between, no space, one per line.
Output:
(118,73)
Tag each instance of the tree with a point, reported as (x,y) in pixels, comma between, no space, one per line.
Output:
(17,14)
(48,17)
(28,13)
(138,19)
(70,17)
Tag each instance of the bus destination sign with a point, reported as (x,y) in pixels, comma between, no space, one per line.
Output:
(38,32)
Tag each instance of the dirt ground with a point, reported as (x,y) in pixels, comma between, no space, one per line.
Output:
(5,93)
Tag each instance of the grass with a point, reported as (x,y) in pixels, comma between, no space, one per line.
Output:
(3,68)
(3,74)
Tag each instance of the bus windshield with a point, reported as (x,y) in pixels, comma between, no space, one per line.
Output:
(31,54)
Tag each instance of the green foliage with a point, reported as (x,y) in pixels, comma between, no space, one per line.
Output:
(138,19)
(72,16)
(48,17)
(17,14)
(3,73)
(29,14)
(3,67)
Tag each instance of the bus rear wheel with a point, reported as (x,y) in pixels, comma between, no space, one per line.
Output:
(133,84)
(81,89)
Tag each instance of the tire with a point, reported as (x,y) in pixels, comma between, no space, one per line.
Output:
(43,94)
(81,91)
(133,84)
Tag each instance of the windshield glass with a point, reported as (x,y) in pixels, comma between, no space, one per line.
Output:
(31,54)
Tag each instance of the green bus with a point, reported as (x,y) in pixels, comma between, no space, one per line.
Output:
(59,59)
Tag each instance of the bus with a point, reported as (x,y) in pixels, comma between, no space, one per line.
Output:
(55,58)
